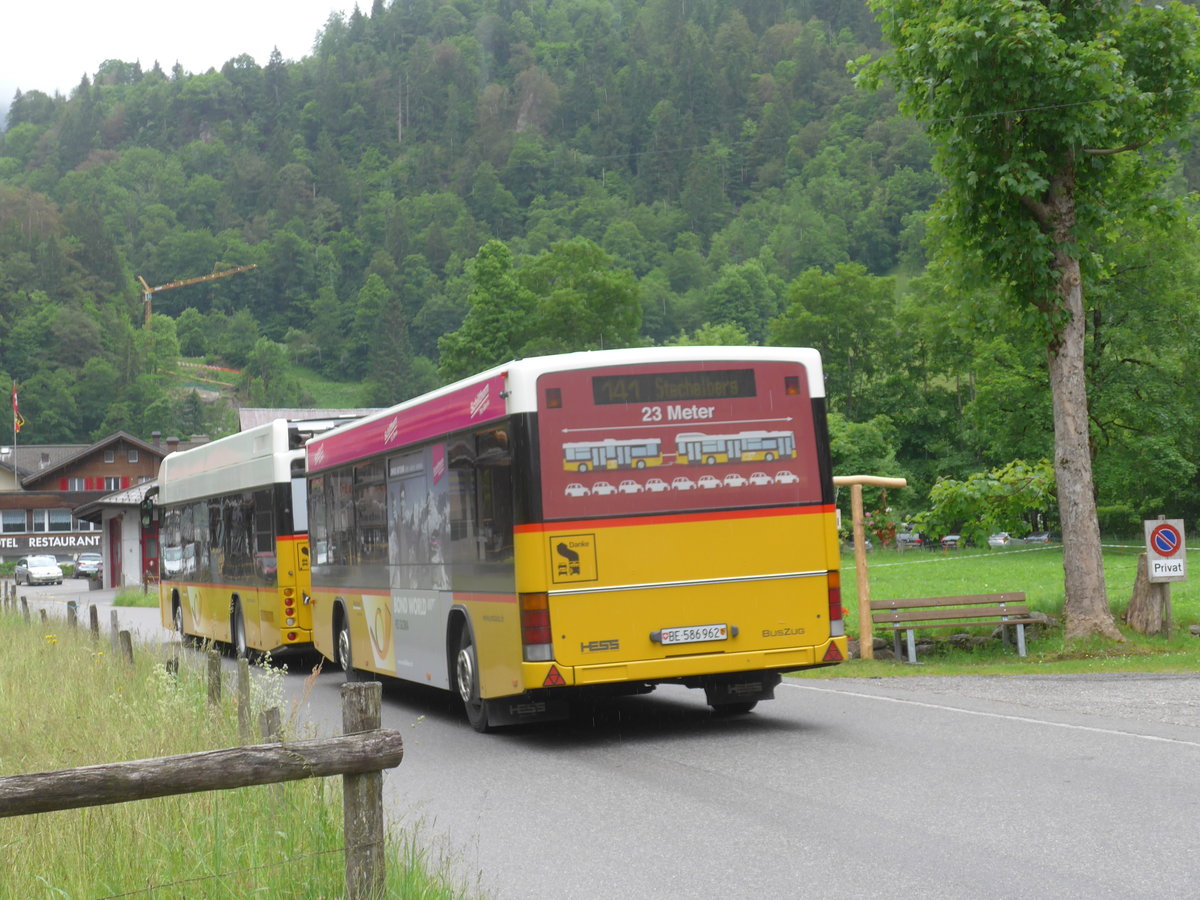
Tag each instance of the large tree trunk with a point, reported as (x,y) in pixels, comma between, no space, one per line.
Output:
(1086,609)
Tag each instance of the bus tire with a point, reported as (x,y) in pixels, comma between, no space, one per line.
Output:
(345,650)
(237,632)
(177,622)
(466,680)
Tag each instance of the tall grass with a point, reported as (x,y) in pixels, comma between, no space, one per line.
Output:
(66,702)
(1038,572)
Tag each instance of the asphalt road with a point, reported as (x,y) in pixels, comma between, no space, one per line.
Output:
(1028,786)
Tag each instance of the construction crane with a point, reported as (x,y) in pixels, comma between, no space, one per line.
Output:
(148,292)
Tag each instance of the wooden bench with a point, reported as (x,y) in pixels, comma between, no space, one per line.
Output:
(952,612)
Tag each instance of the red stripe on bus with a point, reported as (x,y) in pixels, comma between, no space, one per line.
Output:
(676,518)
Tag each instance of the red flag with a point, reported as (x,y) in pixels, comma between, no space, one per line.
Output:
(17,420)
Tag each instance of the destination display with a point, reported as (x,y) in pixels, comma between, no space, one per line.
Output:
(673,387)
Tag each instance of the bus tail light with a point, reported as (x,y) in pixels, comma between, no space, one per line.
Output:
(535,628)
(837,624)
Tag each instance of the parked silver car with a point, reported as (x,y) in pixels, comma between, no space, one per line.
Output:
(88,564)
(38,570)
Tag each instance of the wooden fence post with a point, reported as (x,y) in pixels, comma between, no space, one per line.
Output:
(243,700)
(114,631)
(214,676)
(269,723)
(25,609)
(94,621)
(362,798)
(126,641)
(44,616)
(72,619)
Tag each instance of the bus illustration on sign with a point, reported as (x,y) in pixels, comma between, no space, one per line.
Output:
(610,453)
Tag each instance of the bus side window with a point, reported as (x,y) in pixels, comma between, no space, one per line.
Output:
(370,512)
(318,522)
(460,460)
(494,493)
(341,518)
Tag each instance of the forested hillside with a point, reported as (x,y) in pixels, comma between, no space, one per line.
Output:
(443,185)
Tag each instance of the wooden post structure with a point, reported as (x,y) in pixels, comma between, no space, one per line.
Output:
(125,639)
(362,798)
(94,621)
(214,676)
(866,638)
(114,631)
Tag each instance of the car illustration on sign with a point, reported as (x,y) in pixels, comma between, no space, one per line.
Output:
(708,481)
(657,486)
(786,477)
(575,489)
(761,478)
(682,483)
(629,486)
(735,479)
(603,488)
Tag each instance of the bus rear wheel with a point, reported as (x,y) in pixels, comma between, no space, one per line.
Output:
(177,623)
(466,679)
(345,650)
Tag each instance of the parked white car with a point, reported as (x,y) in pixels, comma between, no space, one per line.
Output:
(38,570)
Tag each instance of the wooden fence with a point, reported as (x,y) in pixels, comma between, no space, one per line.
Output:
(359,755)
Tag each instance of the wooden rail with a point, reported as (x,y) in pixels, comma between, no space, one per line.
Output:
(190,773)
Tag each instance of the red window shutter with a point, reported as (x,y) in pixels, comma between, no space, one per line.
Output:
(62,484)
(126,481)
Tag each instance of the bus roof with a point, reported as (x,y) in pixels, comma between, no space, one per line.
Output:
(512,388)
(248,460)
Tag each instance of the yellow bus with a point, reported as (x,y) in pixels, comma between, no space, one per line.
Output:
(451,548)
(234,538)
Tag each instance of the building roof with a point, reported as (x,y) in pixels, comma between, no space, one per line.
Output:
(87,450)
(126,497)
(34,458)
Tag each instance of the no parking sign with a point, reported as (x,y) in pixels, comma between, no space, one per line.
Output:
(1166,555)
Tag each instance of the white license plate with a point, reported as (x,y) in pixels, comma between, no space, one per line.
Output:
(691,634)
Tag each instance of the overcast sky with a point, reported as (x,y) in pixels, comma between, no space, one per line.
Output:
(48,45)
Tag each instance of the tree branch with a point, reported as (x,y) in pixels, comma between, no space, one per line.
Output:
(1110,151)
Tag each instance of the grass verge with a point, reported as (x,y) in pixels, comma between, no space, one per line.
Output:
(1038,571)
(67,702)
